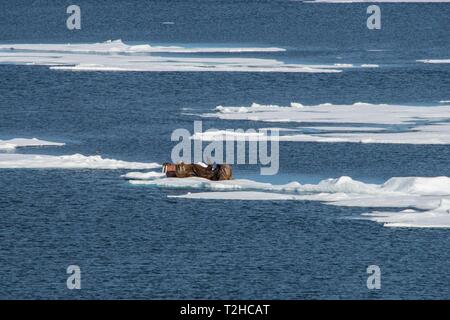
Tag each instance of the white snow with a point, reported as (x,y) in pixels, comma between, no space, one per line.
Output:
(420,124)
(22,142)
(76,161)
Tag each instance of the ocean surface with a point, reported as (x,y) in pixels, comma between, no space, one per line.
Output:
(135,242)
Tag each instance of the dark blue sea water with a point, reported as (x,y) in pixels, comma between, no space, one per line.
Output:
(135,242)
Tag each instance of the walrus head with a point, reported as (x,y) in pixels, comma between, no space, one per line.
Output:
(224,172)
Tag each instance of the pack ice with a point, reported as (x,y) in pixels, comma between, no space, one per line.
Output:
(426,199)
(354,123)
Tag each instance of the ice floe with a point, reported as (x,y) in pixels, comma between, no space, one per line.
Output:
(76,161)
(118,46)
(428,196)
(422,186)
(118,56)
(438,217)
(370,65)
(143,175)
(22,142)
(394,123)
(220,135)
(435,61)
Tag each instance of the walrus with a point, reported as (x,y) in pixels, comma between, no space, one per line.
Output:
(210,172)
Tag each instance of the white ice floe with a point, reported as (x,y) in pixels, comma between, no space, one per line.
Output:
(221,135)
(420,193)
(435,61)
(76,161)
(118,46)
(200,183)
(333,113)
(438,217)
(239,195)
(340,128)
(398,186)
(118,56)
(370,65)
(143,175)
(403,124)
(22,142)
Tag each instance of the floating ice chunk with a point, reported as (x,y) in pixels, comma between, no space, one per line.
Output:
(430,194)
(238,195)
(343,65)
(435,218)
(419,185)
(22,142)
(76,161)
(326,129)
(118,46)
(256,108)
(201,183)
(330,113)
(408,124)
(220,135)
(369,65)
(435,61)
(398,186)
(118,56)
(143,175)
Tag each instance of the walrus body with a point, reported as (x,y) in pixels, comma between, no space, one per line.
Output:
(184,170)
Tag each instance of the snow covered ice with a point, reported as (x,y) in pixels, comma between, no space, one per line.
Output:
(118,56)
(22,142)
(42,161)
(76,161)
(370,123)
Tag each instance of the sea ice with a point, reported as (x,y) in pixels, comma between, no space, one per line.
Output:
(76,161)
(421,193)
(22,142)
(394,123)
(118,56)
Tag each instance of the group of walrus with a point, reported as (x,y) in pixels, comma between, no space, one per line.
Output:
(214,172)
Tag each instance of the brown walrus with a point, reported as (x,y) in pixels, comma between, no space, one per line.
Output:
(185,170)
